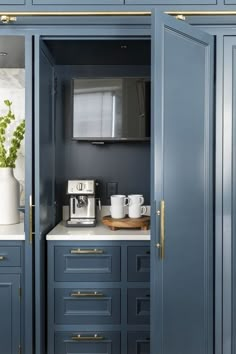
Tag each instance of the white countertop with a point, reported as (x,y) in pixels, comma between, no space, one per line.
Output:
(13,232)
(98,233)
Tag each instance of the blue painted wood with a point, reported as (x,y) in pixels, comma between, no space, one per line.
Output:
(11,256)
(28,246)
(10,333)
(93,309)
(44,181)
(78,2)
(110,344)
(229,198)
(138,342)
(171,2)
(182,283)
(138,306)
(138,263)
(57,290)
(87,267)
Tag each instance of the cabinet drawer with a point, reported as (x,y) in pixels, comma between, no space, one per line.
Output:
(77,2)
(139,263)
(87,263)
(10,256)
(138,343)
(87,306)
(87,342)
(138,306)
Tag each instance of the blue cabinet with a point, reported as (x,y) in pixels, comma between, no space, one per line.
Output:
(172,2)
(77,2)
(95,316)
(11,279)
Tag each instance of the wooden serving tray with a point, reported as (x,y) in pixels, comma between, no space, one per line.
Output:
(142,223)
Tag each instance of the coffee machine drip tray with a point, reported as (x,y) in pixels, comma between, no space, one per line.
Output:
(81,222)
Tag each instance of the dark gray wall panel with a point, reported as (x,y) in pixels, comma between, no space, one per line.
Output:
(128,164)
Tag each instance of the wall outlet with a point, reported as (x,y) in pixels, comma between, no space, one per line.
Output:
(111,188)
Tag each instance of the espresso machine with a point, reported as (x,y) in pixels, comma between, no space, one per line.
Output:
(82,203)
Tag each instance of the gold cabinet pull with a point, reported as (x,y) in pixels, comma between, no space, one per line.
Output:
(2,258)
(87,294)
(162,229)
(79,337)
(161,245)
(86,251)
(31,220)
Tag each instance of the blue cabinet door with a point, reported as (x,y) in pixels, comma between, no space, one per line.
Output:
(182,189)
(44,180)
(172,2)
(9,313)
(76,2)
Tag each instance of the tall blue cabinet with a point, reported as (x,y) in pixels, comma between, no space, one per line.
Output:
(192,272)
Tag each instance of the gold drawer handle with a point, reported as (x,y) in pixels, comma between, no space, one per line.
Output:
(79,337)
(2,258)
(87,251)
(88,294)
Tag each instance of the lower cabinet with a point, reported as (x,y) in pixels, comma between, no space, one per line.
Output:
(10,298)
(98,297)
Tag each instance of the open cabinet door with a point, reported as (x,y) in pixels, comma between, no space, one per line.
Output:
(182,189)
(44,181)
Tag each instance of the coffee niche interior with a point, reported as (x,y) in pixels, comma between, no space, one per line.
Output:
(12,129)
(100,114)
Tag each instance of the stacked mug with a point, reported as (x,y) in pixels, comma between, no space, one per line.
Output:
(134,202)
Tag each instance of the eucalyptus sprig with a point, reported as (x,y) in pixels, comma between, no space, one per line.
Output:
(8,156)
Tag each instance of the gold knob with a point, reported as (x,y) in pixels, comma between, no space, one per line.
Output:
(158,245)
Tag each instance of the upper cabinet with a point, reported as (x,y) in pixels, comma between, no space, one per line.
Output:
(75,2)
(174,2)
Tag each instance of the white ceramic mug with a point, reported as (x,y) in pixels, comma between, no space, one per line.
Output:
(118,203)
(134,199)
(136,211)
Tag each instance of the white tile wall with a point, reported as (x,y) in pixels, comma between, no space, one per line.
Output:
(12,88)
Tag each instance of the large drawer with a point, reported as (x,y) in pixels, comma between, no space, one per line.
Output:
(138,306)
(87,263)
(139,263)
(87,306)
(138,343)
(10,256)
(87,343)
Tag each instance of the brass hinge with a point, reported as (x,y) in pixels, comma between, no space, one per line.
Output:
(19,349)
(19,291)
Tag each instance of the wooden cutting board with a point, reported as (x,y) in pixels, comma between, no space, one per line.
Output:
(142,223)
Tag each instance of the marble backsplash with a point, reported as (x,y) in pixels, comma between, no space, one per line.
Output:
(12,88)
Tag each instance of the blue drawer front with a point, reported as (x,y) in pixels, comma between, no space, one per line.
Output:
(10,256)
(107,343)
(139,263)
(138,343)
(87,306)
(87,264)
(139,306)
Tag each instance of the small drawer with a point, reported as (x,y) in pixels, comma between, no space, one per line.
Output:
(87,342)
(138,343)
(87,306)
(139,263)
(10,256)
(139,306)
(87,263)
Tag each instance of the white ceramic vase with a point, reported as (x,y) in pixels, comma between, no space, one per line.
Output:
(9,197)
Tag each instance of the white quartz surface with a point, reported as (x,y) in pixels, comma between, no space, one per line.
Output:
(12,232)
(99,233)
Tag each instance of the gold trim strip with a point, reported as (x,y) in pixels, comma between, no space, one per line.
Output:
(78,13)
(116,13)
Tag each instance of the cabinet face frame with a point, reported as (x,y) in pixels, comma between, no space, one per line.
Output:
(91,32)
